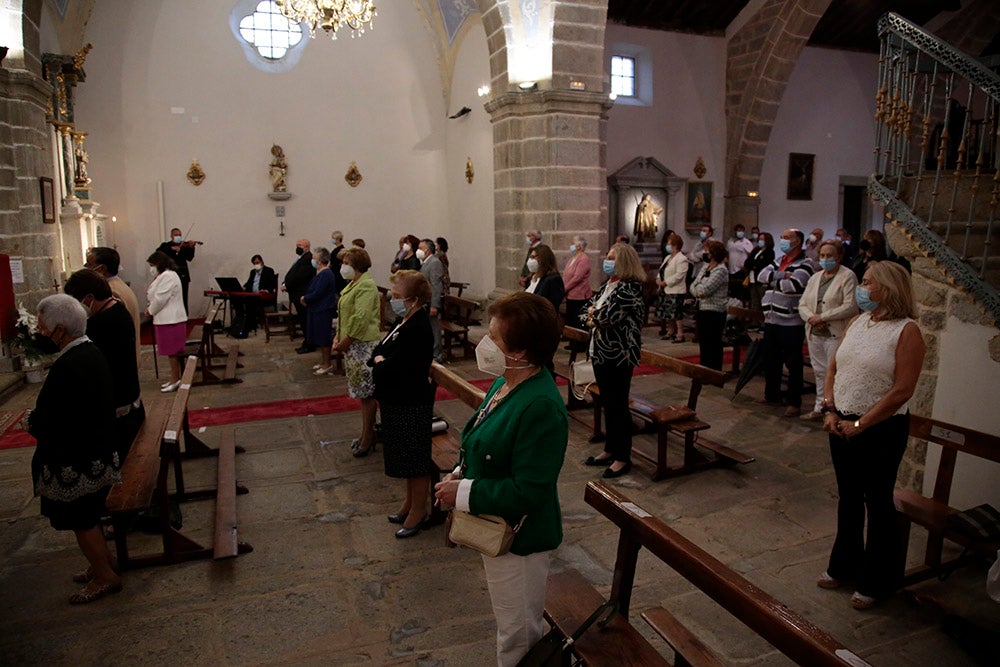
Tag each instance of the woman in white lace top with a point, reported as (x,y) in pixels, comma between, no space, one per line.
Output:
(868,386)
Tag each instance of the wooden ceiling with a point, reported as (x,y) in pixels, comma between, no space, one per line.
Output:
(847,24)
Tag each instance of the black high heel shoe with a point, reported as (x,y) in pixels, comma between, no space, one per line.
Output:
(397,518)
(403,533)
(610,473)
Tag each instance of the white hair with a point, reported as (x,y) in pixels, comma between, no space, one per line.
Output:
(580,241)
(62,309)
(337,236)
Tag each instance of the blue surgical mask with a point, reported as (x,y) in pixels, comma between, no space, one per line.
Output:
(703,235)
(313,262)
(740,235)
(669,249)
(753,236)
(399,307)
(177,239)
(572,247)
(609,267)
(863,297)
(761,243)
(828,264)
(784,245)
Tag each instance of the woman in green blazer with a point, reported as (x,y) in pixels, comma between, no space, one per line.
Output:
(512,451)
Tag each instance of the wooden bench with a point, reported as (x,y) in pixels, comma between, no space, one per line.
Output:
(458,286)
(280,323)
(202,345)
(446,445)
(456,317)
(932,513)
(144,485)
(568,601)
(662,420)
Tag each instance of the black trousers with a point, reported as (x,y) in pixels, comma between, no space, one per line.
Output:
(300,314)
(711,325)
(783,346)
(126,428)
(866,468)
(615,382)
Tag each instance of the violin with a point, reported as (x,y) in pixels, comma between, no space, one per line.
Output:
(191,244)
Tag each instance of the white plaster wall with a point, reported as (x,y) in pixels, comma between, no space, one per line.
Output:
(967,387)
(828,109)
(470,206)
(375,100)
(687,118)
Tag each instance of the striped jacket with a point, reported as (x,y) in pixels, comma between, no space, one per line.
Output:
(784,289)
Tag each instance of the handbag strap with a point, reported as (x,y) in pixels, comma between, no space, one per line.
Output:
(610,606)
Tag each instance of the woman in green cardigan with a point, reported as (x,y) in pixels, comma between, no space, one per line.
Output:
(512,451)
(359,314)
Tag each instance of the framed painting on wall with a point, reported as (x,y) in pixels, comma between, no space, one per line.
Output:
(699,203)
(47,190)
(800,175)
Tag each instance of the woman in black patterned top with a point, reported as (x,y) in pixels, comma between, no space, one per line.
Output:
(615,314)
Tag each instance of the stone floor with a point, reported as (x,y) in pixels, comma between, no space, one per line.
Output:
(328,584)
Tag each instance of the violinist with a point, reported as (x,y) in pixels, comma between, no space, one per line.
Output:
(182,252)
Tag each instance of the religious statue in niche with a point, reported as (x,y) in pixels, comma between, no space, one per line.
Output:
(279,168)
(80,178)
(646,214)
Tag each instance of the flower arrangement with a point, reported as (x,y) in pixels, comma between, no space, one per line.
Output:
(27,339)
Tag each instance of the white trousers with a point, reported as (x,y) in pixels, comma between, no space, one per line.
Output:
(517,591)
(821,352)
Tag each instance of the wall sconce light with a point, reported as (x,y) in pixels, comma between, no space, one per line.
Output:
(753,193)
(577,85)
(528,86)
(613,96)
(483,90)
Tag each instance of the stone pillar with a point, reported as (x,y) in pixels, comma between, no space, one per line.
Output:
(740,210)
(549,163)
(25,155)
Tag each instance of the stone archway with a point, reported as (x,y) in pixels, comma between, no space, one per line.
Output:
(549,140)
(760,60)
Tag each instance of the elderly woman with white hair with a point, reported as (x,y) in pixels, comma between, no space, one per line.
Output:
(576,280)
(75,462)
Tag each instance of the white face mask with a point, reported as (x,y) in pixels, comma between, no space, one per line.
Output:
(347,272)
(421,255)
(811,238)
(258,267)
(533,265)
(406,247)
(153,272)
(491,359)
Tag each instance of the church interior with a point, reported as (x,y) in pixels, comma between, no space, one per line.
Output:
(479,121)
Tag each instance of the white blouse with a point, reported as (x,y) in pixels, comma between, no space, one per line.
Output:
(866,364)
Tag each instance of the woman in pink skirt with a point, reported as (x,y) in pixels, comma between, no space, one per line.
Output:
(166,307)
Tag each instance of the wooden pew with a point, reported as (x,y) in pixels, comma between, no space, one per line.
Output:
(456,317)
(663,420)
(280,323)
(932,513)
(201,344)
(458,286)
(445,444)
(790,633)
(145,485)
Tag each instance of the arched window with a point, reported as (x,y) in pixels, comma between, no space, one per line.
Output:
(270,41)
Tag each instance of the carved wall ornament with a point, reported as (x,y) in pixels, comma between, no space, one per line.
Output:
(80,177)
(353,176)
(195,174)
(470,173)
(699,168)
(81,56)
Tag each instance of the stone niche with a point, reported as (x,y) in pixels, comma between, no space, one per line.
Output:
(626,188)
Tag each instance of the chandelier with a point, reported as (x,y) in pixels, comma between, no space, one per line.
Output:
(330,14)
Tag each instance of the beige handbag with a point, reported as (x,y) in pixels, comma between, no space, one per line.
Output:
(487,534)
(583,377)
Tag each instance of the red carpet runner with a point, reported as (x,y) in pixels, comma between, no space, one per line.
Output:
(13,436)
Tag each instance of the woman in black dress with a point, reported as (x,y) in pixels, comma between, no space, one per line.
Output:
(320,302)
(400,367)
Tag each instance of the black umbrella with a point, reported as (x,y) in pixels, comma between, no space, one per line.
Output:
(752,364)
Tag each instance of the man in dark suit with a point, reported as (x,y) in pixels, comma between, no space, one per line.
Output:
(337,241)
(181,252)
(247,310)
(296,282)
